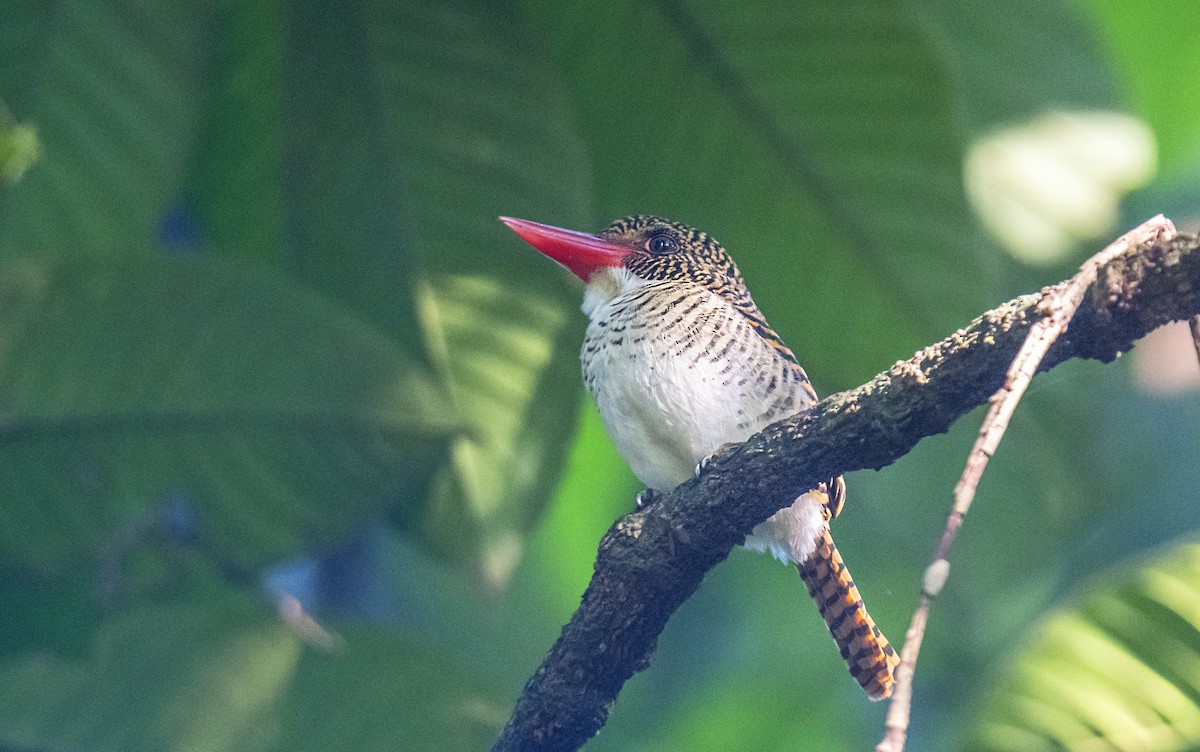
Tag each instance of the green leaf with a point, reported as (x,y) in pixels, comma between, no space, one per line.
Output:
(235,181)
(1118,670)
(368,148)
(281,418)
(113,90)
(221,674)
(1016,60)
(186,677)
(446,116)
(343,196)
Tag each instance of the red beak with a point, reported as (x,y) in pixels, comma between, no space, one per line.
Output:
(580,252)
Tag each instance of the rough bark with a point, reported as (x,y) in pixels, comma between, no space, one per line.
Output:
(651,561)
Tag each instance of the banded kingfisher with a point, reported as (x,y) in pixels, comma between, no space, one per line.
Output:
(680,361)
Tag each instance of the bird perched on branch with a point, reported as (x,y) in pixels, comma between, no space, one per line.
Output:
(680,361)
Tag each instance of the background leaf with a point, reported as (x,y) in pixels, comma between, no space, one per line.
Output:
(113,90)
(1117,670)
(220,674)
(234,181)
(444,124)
(1015,61)
(281,419)
(157,679)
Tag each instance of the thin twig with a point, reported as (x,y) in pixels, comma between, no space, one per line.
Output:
(1057,306)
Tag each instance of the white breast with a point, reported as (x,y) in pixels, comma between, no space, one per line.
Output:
(677,372)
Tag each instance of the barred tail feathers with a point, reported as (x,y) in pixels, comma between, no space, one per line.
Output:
(872,660)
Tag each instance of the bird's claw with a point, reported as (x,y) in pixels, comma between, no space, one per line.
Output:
(707,459)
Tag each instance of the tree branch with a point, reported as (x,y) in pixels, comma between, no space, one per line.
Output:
(651,561)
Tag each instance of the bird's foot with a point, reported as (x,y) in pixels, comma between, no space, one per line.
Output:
(704,462)
(646,497)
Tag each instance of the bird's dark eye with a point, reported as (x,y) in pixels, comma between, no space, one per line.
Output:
(661,244)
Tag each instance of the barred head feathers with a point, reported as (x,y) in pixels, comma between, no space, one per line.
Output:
(664,250)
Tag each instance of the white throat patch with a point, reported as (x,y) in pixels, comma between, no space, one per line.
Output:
(606,285)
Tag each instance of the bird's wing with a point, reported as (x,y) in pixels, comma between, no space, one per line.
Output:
(772,338)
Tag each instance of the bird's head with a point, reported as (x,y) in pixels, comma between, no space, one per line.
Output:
(650,249)
(642,250)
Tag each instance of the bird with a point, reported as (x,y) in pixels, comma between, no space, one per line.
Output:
(680,361)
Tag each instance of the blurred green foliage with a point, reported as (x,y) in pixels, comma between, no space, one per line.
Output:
(260,333)
(1120,669)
